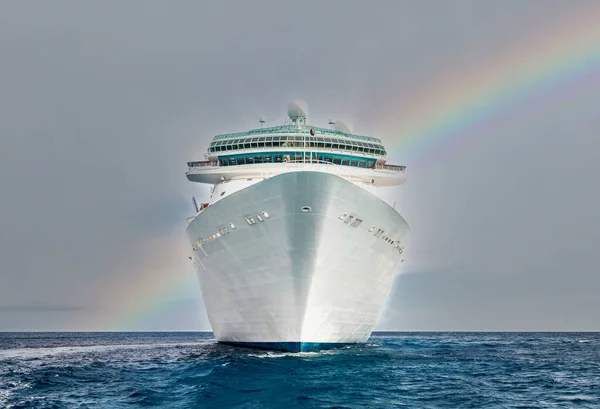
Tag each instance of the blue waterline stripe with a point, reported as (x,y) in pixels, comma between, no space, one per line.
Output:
(288,346)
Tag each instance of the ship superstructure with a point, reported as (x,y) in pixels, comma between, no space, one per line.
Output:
(299,243)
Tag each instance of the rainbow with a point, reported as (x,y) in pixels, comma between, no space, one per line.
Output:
(160,300)
(157,282)
(550,64)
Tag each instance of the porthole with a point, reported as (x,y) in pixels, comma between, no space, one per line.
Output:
(306,209)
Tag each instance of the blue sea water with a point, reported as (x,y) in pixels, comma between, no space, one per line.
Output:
(393,370)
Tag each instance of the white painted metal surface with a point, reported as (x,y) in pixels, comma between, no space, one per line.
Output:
(230,179)
(297,254)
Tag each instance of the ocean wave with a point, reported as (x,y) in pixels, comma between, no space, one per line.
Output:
(175,371)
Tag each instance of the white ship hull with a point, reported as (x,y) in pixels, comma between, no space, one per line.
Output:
(297,280)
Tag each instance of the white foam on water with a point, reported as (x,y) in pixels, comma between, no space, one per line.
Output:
(42,352)
(284,354)
(312,354)
(578,397)
(6,392)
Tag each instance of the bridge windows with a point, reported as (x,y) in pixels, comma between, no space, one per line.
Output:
(309,157)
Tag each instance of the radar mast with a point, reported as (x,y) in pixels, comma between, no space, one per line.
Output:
(297,113)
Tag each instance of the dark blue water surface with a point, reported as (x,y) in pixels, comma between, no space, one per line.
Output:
(395,370)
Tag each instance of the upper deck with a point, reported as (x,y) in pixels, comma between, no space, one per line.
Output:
(295,147)
(292,129)
(296,137)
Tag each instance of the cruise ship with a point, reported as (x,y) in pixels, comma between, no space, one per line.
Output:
(298,245)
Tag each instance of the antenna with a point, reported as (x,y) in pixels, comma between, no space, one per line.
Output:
(331,123)
(262,121)
(195,204)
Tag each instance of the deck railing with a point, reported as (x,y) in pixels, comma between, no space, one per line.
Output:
(395,168)
(291,129)
(391,167)
(202,163)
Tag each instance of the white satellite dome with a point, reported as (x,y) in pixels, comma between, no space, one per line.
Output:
(342,127)
(297,111)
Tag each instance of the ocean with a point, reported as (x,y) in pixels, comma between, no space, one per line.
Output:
(393,370)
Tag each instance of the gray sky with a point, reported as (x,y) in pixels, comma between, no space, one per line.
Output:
(101,105)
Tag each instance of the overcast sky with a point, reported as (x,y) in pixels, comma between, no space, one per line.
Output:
(102,103)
